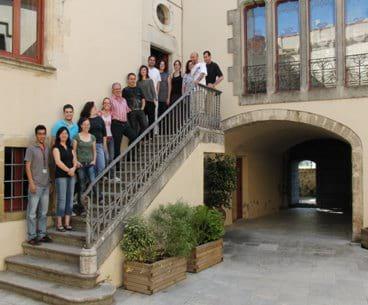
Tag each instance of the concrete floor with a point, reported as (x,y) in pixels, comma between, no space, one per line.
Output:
(296,257)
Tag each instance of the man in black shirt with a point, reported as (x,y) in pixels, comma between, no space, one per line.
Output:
(214,74)
(136,102)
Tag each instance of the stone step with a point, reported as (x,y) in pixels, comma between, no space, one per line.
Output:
(72,238)
(78,223)
(50,270)
(56,294)
(54,251)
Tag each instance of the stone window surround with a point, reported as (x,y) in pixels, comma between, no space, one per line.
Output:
(235,47)
(9,142)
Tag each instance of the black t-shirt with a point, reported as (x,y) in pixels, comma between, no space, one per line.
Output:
(134,96)
(98,128)
(66,156)
(213,71)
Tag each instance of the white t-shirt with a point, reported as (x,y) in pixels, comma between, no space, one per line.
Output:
(155,75)
(197,70)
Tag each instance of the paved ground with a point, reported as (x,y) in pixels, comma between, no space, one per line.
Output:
(297,257)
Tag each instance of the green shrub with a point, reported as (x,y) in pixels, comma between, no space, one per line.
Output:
(173,229)
(220,180)
(208,225)
(139,243)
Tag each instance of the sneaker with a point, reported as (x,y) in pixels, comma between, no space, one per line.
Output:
(117,179)
(34,242)
(74,214)
(45,239)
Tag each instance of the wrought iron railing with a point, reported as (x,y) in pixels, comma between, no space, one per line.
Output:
(288,75)
(256,79)
(111,199)
(323,72)
(357,70)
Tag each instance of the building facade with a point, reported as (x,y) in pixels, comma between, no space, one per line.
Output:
(296,76)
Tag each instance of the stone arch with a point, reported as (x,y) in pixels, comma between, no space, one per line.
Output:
(337,128)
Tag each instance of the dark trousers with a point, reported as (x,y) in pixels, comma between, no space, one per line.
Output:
(149,110)
(118,130)
(138,121)
(162,107)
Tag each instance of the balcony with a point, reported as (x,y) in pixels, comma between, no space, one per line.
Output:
(357,70)
(323,72)
(288,75)
(256,79)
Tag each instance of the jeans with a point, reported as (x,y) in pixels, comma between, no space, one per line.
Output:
(100,158)
(138,121)
(85,173)
(64,195)
(38,205)
(118,129)
(109,157)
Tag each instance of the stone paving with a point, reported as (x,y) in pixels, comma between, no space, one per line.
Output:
(296,257)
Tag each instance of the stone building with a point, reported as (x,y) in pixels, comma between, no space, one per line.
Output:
(296,76)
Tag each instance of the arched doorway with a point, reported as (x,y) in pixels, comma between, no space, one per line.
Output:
(273,132)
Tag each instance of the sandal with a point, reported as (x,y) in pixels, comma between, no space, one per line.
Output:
(60,229)
(69,228)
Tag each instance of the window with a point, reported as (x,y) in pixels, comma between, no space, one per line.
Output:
(288,45)
(163,14)
(255,54)
(356,31)
(15,180)
(21,29)
(322,23)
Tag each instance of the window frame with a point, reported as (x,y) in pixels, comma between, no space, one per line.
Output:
(276,35)
(309,79)
(245,27)
(15,54)
(17,179)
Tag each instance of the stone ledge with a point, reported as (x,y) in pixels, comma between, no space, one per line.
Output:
(27,65)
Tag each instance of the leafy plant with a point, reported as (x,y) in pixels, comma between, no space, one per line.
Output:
(172,228)
(207,224)
(220,180)
(139,243)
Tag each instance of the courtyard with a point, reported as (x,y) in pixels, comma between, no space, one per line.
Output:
(295,257)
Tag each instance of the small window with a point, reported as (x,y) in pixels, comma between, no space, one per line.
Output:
(15,180)
(163,14)
(288,45)
(21,29)
(255,54)
(356,31)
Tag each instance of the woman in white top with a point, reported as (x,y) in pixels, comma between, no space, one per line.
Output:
(105,114)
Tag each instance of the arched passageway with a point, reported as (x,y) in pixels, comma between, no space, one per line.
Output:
(268,141)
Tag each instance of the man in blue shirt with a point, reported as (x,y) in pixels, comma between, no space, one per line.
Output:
(66,122)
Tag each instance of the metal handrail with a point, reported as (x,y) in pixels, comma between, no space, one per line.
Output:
(145,157)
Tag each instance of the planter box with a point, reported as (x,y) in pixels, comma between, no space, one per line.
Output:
(205,256)
(364,238)
(150,278)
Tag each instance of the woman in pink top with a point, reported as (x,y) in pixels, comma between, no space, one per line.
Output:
(105,114)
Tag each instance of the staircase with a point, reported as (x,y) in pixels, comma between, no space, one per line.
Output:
(50,272)
(65,272)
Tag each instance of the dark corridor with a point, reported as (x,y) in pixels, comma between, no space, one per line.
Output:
(333,172)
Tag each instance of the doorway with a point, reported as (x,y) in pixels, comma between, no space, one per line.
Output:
(160,55)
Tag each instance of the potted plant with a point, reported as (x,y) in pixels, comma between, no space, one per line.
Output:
(220,181)
(156,249)
(208,229)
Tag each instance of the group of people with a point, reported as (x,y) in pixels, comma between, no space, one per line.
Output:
(85,148)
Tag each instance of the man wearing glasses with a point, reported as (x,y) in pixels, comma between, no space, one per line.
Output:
(37,170)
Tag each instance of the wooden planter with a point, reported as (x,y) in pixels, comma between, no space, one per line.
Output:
(150,278)
(205,256)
